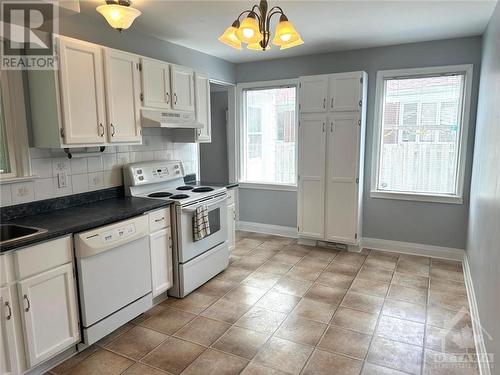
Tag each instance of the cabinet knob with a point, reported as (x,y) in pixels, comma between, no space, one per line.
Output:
(9,314)
(175,98)
(112,130)
(324,103)
(101,126)
(27,308)
(167,95)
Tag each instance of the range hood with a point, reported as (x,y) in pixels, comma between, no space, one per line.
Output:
(158,118)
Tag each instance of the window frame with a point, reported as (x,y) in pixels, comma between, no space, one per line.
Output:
(457,197)
(14,107)
(264,85)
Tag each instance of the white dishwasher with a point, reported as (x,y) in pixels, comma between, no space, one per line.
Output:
(114,276)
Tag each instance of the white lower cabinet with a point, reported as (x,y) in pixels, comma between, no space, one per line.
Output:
(49,313)
(161,261)
(9,355)
(160,243)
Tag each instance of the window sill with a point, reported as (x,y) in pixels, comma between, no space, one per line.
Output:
(262,186)
(453,199)
(13,180)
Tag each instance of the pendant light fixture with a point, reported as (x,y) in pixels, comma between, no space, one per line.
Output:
(255,29)
(119,14)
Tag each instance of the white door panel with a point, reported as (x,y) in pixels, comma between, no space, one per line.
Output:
(202,88)
(311,194)
(161,261)
(182,88)
(345,92)
(122,96)
(156,84)
(313,94)
(9,357)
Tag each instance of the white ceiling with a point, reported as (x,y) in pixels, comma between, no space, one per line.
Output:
(324,25)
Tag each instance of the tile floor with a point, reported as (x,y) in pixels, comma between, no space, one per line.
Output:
(283,308)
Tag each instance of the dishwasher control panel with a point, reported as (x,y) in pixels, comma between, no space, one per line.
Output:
(105,238)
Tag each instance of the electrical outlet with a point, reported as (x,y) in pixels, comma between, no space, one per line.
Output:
(62,180)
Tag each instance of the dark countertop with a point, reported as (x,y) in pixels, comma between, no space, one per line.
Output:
(80,218)
(227,185)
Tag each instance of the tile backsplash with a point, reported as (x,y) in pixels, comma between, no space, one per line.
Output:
(58,176)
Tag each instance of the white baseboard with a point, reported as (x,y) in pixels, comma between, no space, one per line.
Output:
(484,367)
(277,230)
(413,248)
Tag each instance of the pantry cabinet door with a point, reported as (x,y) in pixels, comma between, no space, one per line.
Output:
(82,92)
(49,313)
(182,88)
(123,93)
(161,261)
(202,87)
(9,357)
(345,92)
(311,184)
(313,94)
(342,178)
(156,84)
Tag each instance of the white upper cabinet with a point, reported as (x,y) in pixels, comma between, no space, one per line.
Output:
(342,177)
(82,92)
(311,189)
(156,84)
(313,94)
(182,82)
(202,89)
(9,357)
(122,96)
(344,92)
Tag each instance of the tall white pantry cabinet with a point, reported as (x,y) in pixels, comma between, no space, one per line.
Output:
(332,117)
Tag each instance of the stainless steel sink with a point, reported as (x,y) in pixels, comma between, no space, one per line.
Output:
(11,232)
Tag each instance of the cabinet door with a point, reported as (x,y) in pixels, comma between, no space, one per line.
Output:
(122,96)
(231,226)
(156,84)
(345,91)
(202,88)
(182,88)
(311,194)
(49,312)
(9,357)
(313,93)
(82,92)
(342,178)
(161,261)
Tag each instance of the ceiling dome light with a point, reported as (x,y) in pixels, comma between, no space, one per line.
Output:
(285,32)
(249,31)
(229,36)
(119,15)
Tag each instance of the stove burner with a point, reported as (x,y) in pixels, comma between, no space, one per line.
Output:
(185,187)
(203,189)
(179,196)
(160,194)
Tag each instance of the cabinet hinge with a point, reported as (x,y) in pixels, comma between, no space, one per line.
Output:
(359,122)
(139,67)
(61,132)
(357,180)
(299,106)
(361,80)
(355,236)
(360,103)
(300,85)
(142,97)
(298,228)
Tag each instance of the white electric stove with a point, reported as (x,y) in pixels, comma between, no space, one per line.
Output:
(195,262)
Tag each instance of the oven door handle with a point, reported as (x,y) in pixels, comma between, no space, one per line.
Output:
(209,204)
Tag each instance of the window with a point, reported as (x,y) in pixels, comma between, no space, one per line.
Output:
(268,132)
(421,130)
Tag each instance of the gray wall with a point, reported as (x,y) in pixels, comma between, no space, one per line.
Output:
(214,165)
(268,207)
(96,30)
(429,223)
(483,243)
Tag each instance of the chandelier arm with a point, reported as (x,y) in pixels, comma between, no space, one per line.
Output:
(242,13)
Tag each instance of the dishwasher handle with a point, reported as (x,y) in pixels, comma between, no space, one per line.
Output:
(105,238)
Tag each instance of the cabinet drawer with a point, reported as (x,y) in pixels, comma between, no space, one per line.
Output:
(42,257)
(159,219)
(231,193)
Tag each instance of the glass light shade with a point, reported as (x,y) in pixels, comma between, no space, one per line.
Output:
(118,16)
(249,31)
(285,34)
(229,37)
(257,47)
(298,42)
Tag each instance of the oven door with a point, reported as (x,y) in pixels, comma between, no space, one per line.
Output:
(187,247)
